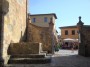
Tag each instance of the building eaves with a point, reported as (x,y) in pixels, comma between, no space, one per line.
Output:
(68,27)
(88,26)
(44,14)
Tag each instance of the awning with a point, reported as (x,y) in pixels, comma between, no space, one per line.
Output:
(70,40)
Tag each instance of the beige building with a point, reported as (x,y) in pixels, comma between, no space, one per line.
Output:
(69,32)
(45,23)
(69,36)
(43,20)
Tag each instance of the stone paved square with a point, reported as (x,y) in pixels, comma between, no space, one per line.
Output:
(67,58)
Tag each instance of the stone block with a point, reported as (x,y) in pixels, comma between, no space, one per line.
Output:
(24,48)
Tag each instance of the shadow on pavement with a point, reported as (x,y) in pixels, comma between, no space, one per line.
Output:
(70,61)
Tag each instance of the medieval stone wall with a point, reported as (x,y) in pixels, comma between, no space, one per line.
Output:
(14,22)
(84,48)
(0,19)
(41,35)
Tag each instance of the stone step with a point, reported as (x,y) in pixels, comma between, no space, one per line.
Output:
(29,60)
(29,65)
(28,56)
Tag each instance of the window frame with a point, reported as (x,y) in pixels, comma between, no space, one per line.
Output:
(45,19)
(34,20)
(66,32)
(73,32)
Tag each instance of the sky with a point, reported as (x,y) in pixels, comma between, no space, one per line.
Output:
(67,11)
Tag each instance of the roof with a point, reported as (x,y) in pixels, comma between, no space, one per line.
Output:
(87,26)
(45,14)
(68,27)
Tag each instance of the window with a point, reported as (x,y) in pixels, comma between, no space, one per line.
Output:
(66,32)
(45,19)
(73,32)
(34,20)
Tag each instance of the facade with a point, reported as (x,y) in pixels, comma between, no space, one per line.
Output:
(13,16)
(69,36)
(42,20)
(43,30)
(41,35)
(69,32)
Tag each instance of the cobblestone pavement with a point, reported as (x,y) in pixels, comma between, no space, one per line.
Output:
(64,58)
(68,58)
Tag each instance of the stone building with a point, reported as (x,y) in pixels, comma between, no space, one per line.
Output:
(42,29)
(43,20)
(69,32)
(84,38)
(69,36)
(16,31)
(13,17)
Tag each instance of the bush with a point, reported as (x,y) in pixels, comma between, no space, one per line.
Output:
(57,47)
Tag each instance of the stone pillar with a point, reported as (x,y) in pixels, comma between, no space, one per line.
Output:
(4,8)
(81,44)
(51,27)
(1,37)
(28,28)
(27,19)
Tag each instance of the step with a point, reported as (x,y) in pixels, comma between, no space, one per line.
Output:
(29,60)
(28,56)
(28,65)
